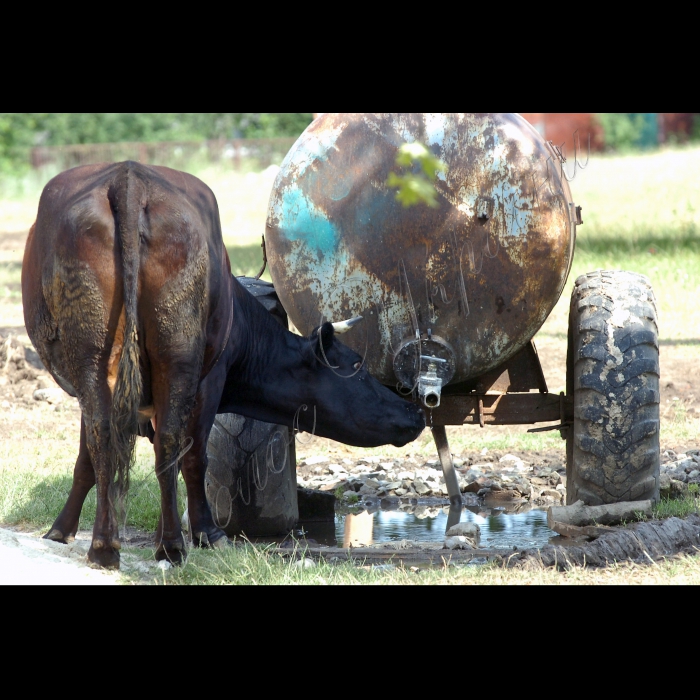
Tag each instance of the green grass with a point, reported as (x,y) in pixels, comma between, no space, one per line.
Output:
(642,213)
(463,440)
(632,202)
(242,196)
(681,507)
(508,438)
(255,566)
(674,279)
(677,422)
(34,487)
(675,507)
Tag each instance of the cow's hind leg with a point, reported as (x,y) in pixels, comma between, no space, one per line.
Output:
(170,544)
(66,524)
(104,550)
(205,532)
(79,314)
(173,399)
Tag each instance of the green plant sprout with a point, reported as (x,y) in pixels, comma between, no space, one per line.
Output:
(416,187)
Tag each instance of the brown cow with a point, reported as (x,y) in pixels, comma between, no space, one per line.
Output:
(130,302)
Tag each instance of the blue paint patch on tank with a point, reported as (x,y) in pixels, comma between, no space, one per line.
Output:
(299,219)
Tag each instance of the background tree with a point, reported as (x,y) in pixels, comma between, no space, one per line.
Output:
(19,132)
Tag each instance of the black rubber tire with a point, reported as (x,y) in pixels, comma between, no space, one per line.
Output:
(250,481)
(613,375)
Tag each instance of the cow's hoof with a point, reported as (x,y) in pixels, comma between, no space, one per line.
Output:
(216,538)
(103,556)
(200,539)
(222,543)
(173,552)
(55,536)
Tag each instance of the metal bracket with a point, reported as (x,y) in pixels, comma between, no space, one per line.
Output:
(563,423)
(548,427)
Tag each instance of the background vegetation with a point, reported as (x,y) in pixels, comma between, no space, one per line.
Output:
(624,133)
(19,132)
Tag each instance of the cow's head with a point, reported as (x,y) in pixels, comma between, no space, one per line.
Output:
(319,385)
(350,405)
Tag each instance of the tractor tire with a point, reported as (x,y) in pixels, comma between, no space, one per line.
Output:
(613,376)
(250,481)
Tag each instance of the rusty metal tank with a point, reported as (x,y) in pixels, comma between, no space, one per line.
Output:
(446,293)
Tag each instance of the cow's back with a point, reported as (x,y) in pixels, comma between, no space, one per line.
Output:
(73,271)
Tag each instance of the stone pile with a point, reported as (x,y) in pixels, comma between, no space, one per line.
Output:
(679,471)
(505,479)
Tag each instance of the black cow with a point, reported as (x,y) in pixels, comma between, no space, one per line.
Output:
(130,303)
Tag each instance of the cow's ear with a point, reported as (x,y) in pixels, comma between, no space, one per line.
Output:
(326,333)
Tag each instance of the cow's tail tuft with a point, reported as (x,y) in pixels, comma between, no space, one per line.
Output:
(127,196)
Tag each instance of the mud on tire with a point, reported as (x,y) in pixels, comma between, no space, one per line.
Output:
(613,375)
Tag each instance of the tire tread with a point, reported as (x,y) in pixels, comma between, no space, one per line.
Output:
(613,453)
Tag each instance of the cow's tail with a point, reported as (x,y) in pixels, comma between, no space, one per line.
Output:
(127,196)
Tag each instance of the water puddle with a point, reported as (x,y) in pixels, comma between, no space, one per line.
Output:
(499,529)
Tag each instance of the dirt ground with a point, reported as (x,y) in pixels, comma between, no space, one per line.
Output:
(29,397)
